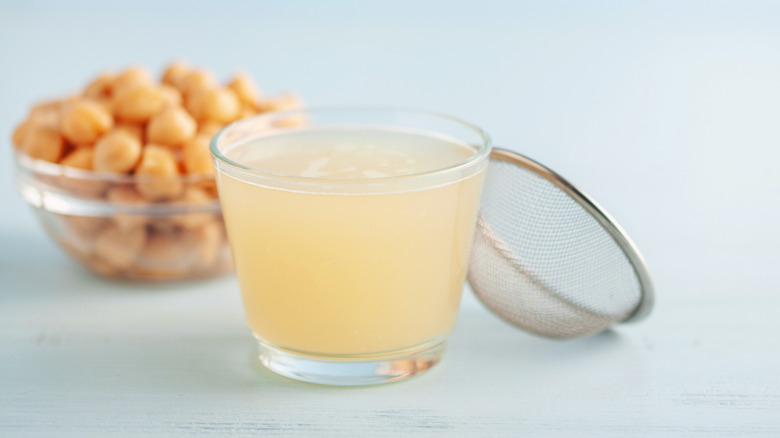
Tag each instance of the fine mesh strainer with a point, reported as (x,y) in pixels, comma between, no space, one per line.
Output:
(548,259)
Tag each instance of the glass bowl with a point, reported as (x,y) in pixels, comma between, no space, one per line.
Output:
(107,224)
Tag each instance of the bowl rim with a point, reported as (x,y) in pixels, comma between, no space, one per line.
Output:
(54,198)
(42,167)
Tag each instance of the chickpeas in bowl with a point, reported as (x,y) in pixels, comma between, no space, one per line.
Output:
(120,175)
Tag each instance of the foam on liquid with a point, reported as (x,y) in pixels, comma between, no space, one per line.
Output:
(349,153)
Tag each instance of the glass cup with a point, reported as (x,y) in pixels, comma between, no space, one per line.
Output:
(350,281)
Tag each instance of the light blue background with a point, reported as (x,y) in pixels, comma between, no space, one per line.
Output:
(666,112)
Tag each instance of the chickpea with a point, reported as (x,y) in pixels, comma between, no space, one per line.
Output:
(81,249)
(175,73)
(133,129)
(80,158)
(158,174)
(290,121)
(43,144)
(204,242)
(131,78)
(107,104)
(127,195)
(101,267)
(84,121)
(101,86)
(282,102)
(209,186)
(247,111)
(47,115)
(222,105)
(210,128)
(85,228)
(195,81)
(224,263)
(285,102)
(93,263)
(116,152)
(195,197)
(197,157)
(138,104)
(245,89)
(46,105)
(164,255)
(21,132)
(119,248)
(171,95)
(163,225)
(172,127)
(218,104)
(195,104)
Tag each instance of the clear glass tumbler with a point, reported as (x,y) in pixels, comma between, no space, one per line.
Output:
(357,279)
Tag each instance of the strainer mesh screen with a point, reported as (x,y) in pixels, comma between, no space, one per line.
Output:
(542,262)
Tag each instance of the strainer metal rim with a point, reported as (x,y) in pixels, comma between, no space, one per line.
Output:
(607,222)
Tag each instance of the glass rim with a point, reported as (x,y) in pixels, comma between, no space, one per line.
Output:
(482,153)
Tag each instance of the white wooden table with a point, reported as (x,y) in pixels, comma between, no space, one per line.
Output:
(665,112)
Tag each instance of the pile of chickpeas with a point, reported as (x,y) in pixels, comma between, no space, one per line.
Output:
(134,141)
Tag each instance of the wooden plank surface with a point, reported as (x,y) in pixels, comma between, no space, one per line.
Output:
(80,356)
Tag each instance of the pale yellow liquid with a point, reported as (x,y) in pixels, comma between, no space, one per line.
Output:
(350,273)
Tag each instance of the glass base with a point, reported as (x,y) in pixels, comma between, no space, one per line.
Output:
(352,372)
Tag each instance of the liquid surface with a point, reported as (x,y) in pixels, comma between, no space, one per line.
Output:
(349,153)
(326,274)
